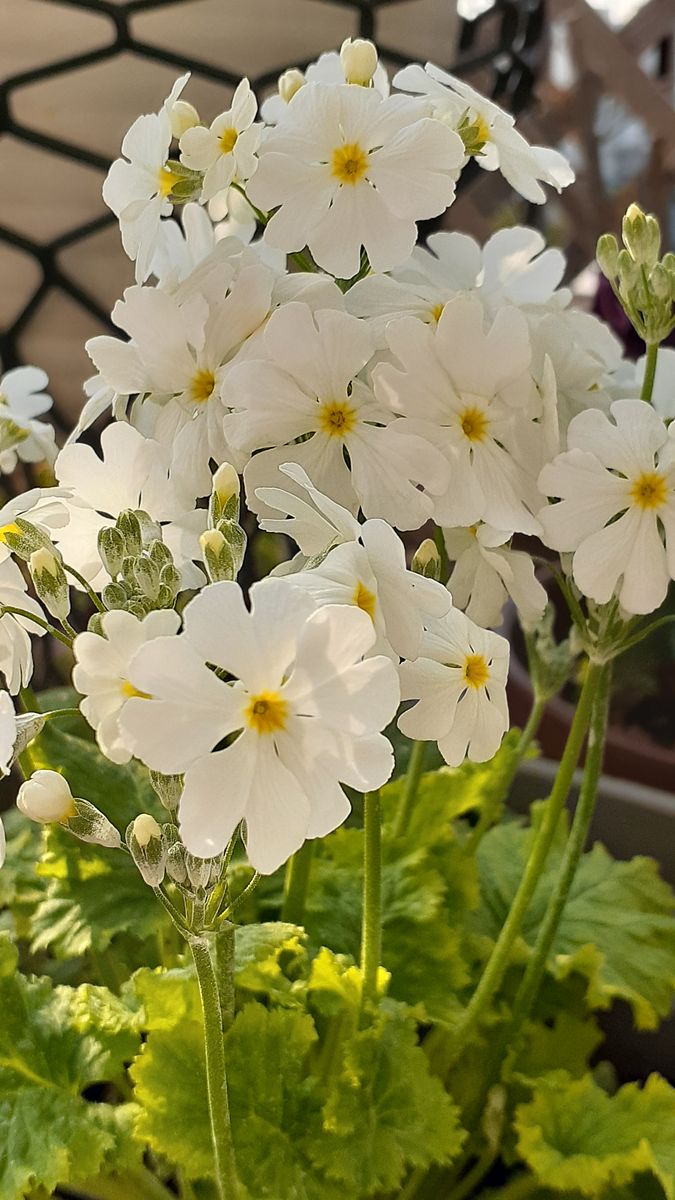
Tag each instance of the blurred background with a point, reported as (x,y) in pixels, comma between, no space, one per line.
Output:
(594,77)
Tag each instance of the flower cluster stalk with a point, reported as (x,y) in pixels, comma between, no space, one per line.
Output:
(371,929)
(296,884)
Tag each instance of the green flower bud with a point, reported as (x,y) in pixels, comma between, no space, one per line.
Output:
(139,607)
(95,624)
(159,553)
(607,255)
(49,579)
(114,595)
(150,530)
(147,847)
(169,788)
(198,871)
(146,574)
(661,283)
(170,577)
(236,539)
(129,527)
(224,501)
(23,538)
(111,549)
(176,853)
(427,561)
(218,558)
(641,235)
(90,825)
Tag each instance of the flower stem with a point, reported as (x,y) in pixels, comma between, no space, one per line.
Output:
(216,1077)
(412,781)
(543,839)
(296,884)
(650,371)
(371,926)
(21,612)
(86,586)
(224,949)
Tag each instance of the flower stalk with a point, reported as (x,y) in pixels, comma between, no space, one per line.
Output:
(296,884)
(412,782)
(371,928)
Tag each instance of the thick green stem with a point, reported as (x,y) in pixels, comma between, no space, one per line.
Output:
(531,982)
(650,371)
(296,884)
(371,926)
(412,782)
(543,839)
(216,1077)
(224,949)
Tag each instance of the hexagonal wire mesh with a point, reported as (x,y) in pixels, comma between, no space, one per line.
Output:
(502,44)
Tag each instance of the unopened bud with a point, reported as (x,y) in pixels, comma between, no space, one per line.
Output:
(146,574)
(236,540)
(175,855)
(159,553)
(111,549)
(129,526)
(147,848)
(183,116)
(198,870)
(629,271)
(139,607)
(90,825)
(150,530)
(225,490)
(114,595)
(218,558)
(661,283)
(28,726)
(50,582)
(641,235)
(46,797)
(607,255)
(359,61)
(171,579)
(169,789)
(289,83)
(427,561)
(24,538)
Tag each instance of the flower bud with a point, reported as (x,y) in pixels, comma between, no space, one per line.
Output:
(146,574)
(183,116)
(660,283)
(129,526)
(23,538)
(198,870)
(224,500)
(359,61)
(175,855)
(169,789)
(641,235)
(90,825)
(289,83)
(114,595)
(150,530)
(607,255)
(46,797)
(629,271)
(147,847)
(427,561)
(236,540)
(28,726)
(49,579)
(218,558)
(111,549)
(159,553)
(171,579)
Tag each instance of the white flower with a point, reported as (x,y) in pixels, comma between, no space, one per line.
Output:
(487,571)
(226,150)
(460,686)
(102,667)
(313,526)
(327,69)
(43,507)
(501,146)
(347,169)
(22,398)
(45,797)
(137,186)
(584,354)
(16,654)
(307,710)
(512,268)
(471,389)
(617,488)
(132,473)
(309,385)
(176,361)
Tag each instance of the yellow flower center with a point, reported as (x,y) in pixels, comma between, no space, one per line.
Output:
(474,424)
(11,528)
(437,313)
(266,713)
(165,181)
(482,129)
(350,163)
(364,599)
(337,418)
(476,671)
(130,691)
(649,490)
(228,140)
(202,386)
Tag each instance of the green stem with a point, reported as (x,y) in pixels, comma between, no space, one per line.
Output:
(543,839)
(224,949)
(531,982)
(296,884)
(650,371)
(371,926)
(412,781)
(473,1177)
(86,586)
(216,1076)
(242,897)
(21,612)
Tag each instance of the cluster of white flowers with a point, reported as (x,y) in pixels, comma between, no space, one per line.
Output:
(360,387)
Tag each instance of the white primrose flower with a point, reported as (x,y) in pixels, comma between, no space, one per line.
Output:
(469,390)
(501,147)
(327,68)
(227,150)
(16,731)
(513,267)
(459,684)
(22,399)
(315,523)
(585,356)
(102,667)
(487,571)
(138,185)
(616,484)
(43,507)
(132,473)
(347,169)
(175,362)
(16,652)
(307,710)
(308,388)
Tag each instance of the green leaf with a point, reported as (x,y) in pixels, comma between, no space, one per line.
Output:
(55,1043)
(385,1111)
(270,960)
(167,998)
(565,1044)
(576,1137)
(631,958)
(21,889)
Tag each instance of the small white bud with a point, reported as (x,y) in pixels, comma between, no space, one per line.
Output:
(289,83)
(46,797)
(426,560)
(359,61)
(147,846)
(90,825)
(183,116)
(50,581)
(218,558)
(145,829)
(225,490)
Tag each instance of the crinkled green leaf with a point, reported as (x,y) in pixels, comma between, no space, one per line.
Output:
(384,1111)
(172,1118)
(55,1043)
(21,888)
(167,998)
(617,928)
(576,1137)
(269,960)
(566,1044)
(335,984)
